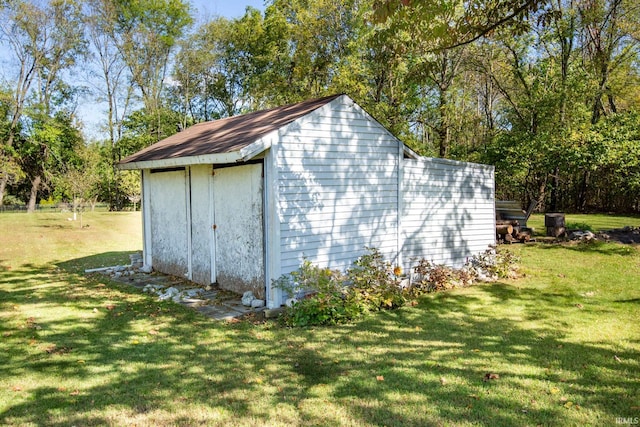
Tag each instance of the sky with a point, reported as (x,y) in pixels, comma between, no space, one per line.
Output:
(226,8)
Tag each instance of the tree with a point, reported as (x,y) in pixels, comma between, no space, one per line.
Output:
(20,28)
(214,67)
(45,41)
(451,24)
(607,31)
(146,33)
(10,171)
(113,86)
(48,148)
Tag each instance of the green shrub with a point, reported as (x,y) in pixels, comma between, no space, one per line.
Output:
(582,226)
(429,277)
(10,200)
(49,202)
(319,294)
(373,284)
(323,297)
(494,264)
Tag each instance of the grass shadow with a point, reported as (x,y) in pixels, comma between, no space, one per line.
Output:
(111,353)
(105,259)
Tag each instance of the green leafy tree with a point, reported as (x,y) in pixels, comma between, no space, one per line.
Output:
(79,181)
(113,87)
(47,150)
(215,67)
(146,33)
(450,24)
(45,41)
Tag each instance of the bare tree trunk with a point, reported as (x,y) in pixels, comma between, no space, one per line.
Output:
(4,179)
(33,196)
(443,125)
(555,189)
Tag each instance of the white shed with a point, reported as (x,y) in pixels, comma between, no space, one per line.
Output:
(242,200)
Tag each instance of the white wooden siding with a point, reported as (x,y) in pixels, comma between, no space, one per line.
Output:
(337,182)
(448,211)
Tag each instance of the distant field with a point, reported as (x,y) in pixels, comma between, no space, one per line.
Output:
(44,238)
(559,346)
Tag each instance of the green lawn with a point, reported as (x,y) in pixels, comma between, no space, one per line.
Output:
(598,222)
(564,341)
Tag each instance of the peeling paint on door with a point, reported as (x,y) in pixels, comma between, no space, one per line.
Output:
(168,211)
(238,228)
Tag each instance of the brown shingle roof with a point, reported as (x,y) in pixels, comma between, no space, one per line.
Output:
(226,135)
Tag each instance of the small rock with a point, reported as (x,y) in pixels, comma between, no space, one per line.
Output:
(247,298)
(290,302)
(257,303)
(151,288)
(117,274)
(192,292)
(169,294)
(576,235)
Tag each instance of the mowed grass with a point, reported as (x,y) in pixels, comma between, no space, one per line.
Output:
(598,222)
(563,342)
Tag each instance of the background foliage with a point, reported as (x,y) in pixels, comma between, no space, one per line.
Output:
(547,91)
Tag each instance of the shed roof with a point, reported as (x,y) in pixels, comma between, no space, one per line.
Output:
(223,136)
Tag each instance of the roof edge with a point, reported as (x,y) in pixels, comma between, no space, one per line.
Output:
(452,162)
(232,157)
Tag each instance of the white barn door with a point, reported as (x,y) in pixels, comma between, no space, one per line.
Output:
(169,227)
(238,228)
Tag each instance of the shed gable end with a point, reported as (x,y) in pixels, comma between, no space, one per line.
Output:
(337,184)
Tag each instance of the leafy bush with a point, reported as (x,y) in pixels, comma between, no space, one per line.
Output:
(429,277)
(12,200)
(373,284)
(582,226)
(494,264)
(321,296)
(49,202)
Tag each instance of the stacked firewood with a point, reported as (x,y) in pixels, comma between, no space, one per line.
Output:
(510,231)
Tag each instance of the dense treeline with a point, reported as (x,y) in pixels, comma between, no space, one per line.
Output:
(547,91)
